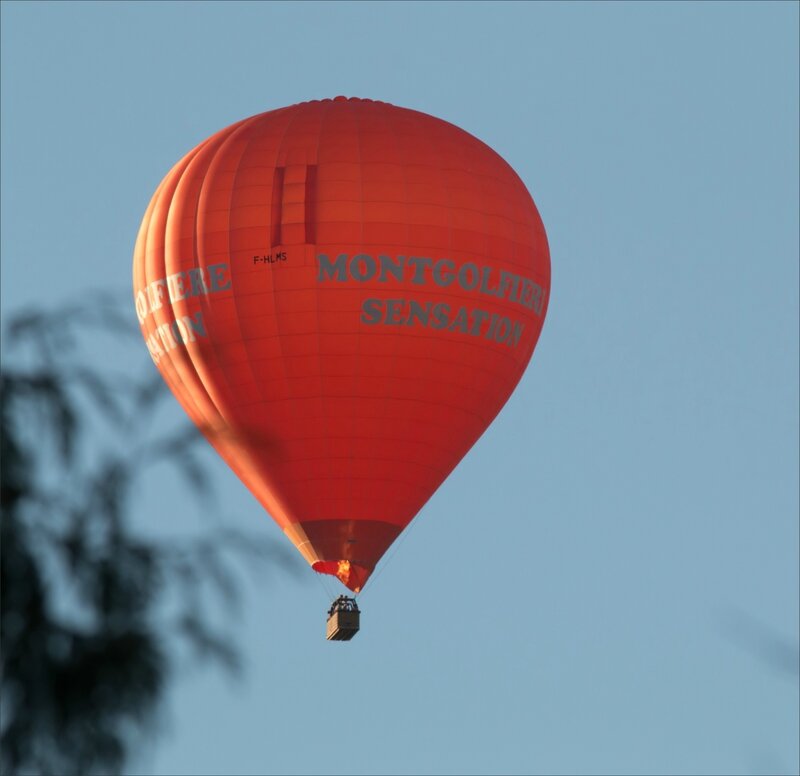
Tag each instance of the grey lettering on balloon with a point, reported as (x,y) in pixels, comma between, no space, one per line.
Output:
(141,306)
(468,283)
(538,298)
(440,312)
(155,293)
(526,294)
(503,329)
(484,289)
(418,312)
(394,307)
(195,324)
(419,263)
(155,349)
(333,269)
(391,267)
(479,317)
(532,295)
(438,272)
(460,321)
(505,282)
(514,295)
(177,290)
(363,267)
(181,332)
(216,273)
(371,311)
(181,285)
(198,282)
(516,333)
(167,338)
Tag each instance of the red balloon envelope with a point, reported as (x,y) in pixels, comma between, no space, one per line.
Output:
(342,295)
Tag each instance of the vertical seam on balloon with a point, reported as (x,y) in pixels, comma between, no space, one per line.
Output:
(141,269)
(310,202)
(436,146)
(316,287)
(247,141)
(403,165)
(204,300)
(289,392)
(485,209)
(252,483)
(174,381)
(221,422)
(276,318)
(405,529)
(257,483)
(276,206)
(208,422)
(354,110)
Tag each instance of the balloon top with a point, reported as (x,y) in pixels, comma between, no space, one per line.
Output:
(343,98)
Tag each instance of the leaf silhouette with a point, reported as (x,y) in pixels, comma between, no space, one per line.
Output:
(85,657)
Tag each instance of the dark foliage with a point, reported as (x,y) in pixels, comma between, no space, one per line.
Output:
(93,612)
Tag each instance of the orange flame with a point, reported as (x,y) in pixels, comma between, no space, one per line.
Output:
(343,572)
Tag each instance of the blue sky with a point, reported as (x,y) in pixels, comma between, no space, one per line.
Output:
(600,585)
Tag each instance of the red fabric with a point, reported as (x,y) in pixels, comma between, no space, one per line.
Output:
(342,392)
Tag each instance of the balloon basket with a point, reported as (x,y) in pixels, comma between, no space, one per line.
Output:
(343,619)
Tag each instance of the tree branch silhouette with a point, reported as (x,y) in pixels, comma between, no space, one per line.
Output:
(87,649)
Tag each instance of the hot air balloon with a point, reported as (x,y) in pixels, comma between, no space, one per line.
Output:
(342,294)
